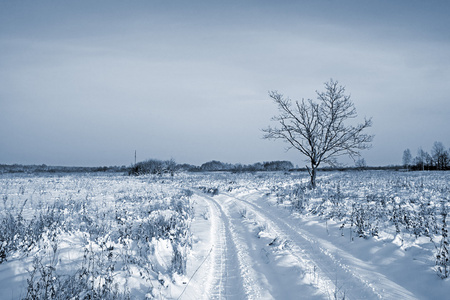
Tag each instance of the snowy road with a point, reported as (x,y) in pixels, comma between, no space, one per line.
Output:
(257,252)
(226,280)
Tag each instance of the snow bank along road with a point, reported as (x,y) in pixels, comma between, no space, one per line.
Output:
(251,250)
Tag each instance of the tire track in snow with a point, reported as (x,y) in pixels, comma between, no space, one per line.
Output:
(254,284)
(360,280)
(267,275)
(261,274)
(226,274)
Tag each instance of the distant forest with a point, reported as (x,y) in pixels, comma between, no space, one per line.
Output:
(439,159)
(17,168)
(152,166)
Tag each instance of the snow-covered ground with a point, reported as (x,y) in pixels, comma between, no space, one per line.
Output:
(359,235)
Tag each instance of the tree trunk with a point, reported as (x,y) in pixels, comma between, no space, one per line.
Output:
(313,175)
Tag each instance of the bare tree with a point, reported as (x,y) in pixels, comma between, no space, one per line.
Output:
(360,163)
(420,159)
(428,161)
(407,158)
(317,130)
(440,155)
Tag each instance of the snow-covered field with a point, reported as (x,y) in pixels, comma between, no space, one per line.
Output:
(359,235)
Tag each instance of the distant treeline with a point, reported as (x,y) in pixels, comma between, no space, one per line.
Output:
(154,166)
(439,159)
(278,165)
(16,168)
(160,167)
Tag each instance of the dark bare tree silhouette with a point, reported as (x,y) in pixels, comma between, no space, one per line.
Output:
(317,129)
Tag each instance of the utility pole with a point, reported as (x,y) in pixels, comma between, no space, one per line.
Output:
(134,157)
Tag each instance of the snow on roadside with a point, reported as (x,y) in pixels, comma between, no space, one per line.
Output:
(404,263)
(93,236)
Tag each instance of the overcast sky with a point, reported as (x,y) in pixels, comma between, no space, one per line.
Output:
(87,83)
